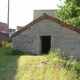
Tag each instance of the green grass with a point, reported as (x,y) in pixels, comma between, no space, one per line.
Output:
(45,67)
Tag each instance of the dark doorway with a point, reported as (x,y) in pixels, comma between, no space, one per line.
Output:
(46,44)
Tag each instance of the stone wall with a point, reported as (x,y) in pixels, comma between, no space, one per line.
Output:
(67,40)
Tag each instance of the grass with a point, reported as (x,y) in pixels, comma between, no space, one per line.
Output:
(45,67)
(8,66)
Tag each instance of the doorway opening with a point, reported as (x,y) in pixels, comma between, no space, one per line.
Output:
(46,44)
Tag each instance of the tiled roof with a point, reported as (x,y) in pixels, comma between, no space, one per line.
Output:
(3,26)
(43,17)
(4,37)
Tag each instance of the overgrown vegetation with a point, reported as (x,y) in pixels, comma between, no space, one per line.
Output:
(68,69)
(53,66)
(6,48)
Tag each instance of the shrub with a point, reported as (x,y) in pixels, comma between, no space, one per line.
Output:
(6,44)
(55,53)
(16,51)
(9,50)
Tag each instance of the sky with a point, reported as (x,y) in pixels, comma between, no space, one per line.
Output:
(21,11)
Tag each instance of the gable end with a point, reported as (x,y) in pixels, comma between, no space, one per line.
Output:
(43,17)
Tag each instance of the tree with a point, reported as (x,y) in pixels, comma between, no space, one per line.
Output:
(70,12)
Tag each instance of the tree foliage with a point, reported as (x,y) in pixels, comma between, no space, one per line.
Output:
(70,12)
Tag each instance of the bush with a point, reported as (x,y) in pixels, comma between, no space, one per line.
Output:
(55,53)
(9,50)
(6,44)
(16,51)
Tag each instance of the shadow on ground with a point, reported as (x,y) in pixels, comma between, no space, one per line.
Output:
(8,66)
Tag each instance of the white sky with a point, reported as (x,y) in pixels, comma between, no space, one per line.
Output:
(21,11)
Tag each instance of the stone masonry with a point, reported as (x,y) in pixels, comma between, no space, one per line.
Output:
(29,41)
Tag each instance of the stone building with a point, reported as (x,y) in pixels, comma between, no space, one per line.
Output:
(48,33)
